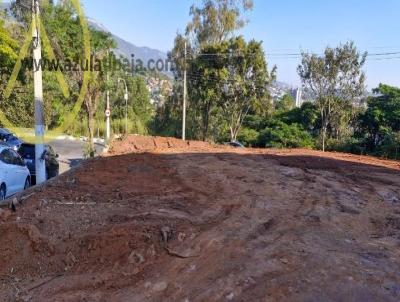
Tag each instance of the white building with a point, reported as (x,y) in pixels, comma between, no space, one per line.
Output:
(297,94)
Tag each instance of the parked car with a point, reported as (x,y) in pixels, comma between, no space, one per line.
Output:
(235,144)
(13,141)
(7,137)
(5,131)
(27,152)
(14,174)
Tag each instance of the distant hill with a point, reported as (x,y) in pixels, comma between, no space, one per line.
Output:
(127,49)
(124,47)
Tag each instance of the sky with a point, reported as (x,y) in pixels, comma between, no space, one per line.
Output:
(284,26)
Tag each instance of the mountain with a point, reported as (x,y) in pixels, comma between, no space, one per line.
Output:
(127,49)
(124,48)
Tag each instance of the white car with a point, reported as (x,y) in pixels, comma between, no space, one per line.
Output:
(14,175)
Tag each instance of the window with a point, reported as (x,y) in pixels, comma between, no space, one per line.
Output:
(27,151)
(7,157)
(16,158)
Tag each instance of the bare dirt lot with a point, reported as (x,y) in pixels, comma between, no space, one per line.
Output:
(163,220)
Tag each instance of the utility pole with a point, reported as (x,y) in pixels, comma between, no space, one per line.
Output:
(126,109)
(126,104)
(38,94)
(184,97)
(108,112)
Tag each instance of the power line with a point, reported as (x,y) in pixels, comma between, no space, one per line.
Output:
(236,54)
(385,59)
(220,82)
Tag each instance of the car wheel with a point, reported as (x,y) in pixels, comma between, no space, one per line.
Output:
(2,192)
(27,184)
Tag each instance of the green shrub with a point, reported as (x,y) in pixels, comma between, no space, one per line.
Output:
(349,145)
(248,137)
(390,146)
(281,135)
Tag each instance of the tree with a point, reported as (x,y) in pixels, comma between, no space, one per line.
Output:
(167,120)
(307,116)
(216,20)
(213,23)
(8,52)
(64,38)
(286,103)
(382,117)
(390,145)
(336,79)
(101,45)
(246,83)
(140,110)
(8,48)
(226,81)
(15,107)
(204,87)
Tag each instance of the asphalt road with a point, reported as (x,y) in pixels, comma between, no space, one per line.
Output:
(71,152)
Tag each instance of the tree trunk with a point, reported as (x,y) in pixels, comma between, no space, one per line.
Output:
(234,133)
(206,124)
(233,138)
(324,120)
(238,124)
(91,133)
(205,130)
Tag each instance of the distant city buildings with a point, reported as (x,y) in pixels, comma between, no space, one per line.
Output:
(297,95)
(159,89)
(278,90)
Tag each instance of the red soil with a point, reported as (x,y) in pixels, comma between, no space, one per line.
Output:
(164,220)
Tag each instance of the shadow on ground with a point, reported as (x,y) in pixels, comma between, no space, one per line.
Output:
(207,226)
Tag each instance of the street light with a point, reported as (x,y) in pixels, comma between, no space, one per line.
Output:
(126,104)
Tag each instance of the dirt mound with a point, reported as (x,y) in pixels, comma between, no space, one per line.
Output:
(186,221)
(138,143)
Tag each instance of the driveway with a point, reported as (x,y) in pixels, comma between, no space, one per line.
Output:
(71,152)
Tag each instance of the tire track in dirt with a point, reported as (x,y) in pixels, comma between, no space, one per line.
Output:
(189,221)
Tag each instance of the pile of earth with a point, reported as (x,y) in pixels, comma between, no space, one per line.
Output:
(159,219)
